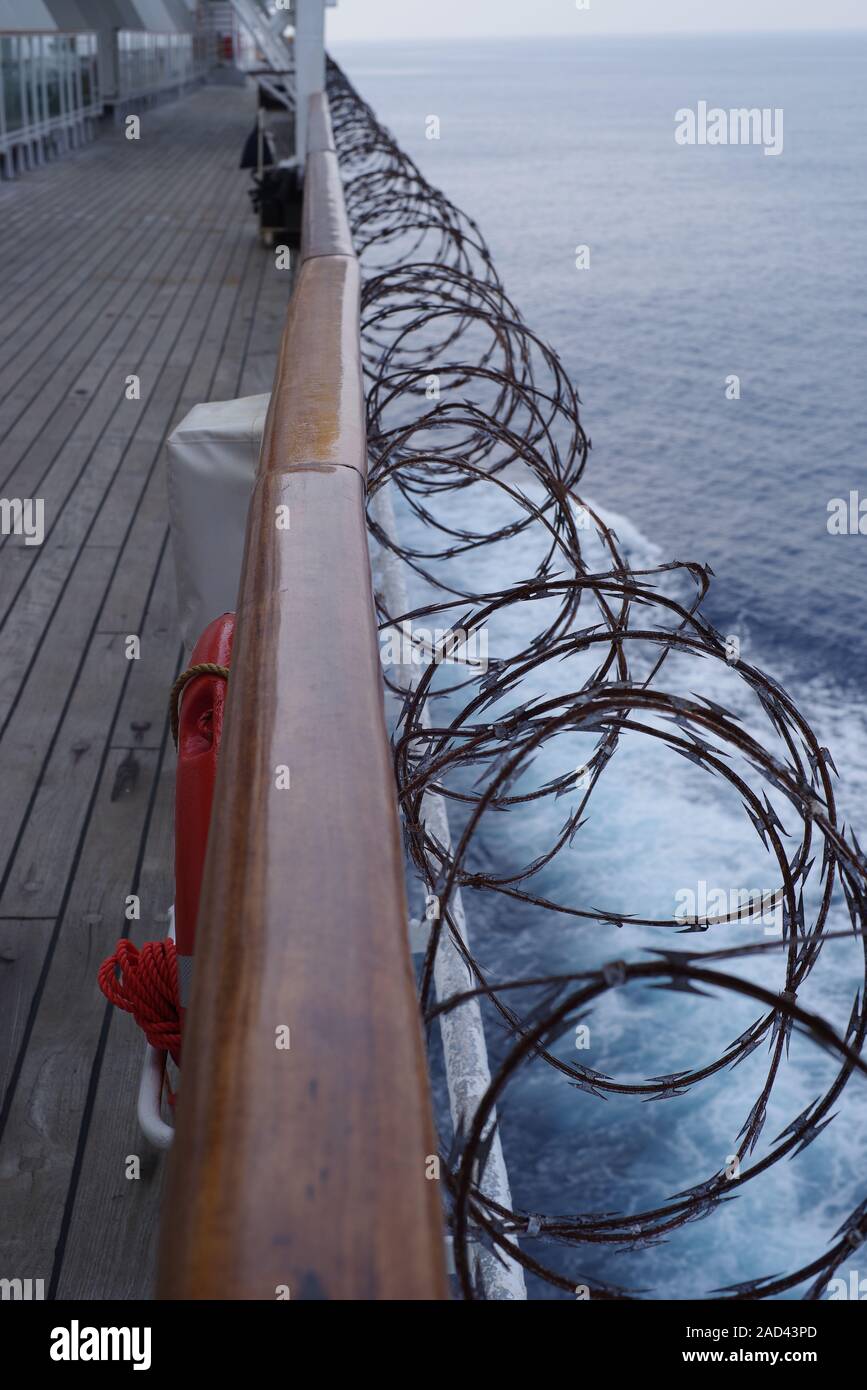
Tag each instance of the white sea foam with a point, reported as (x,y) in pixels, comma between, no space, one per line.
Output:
(658,823)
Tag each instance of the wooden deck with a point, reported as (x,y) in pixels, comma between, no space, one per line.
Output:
(126,258)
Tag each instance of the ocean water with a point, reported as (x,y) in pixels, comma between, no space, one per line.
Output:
(705,262)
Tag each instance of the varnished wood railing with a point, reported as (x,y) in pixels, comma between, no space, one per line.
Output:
(301,1169)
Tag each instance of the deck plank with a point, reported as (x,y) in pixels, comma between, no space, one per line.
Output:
(22,956)
(162,276)
(44,1125)
(109,1249)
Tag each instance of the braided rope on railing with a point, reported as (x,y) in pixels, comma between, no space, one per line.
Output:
(465,401)
(202,668)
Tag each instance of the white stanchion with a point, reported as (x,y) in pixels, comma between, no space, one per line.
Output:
(150,1090)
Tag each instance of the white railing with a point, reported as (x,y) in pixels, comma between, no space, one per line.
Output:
(149,63)
(49,95)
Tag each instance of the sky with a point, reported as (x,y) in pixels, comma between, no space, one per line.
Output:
(446,19)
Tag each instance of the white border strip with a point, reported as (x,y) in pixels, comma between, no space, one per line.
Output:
(466,1054)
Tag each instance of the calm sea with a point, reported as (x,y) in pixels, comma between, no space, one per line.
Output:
(704,263)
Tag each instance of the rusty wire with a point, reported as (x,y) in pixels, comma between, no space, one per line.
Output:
(433,304)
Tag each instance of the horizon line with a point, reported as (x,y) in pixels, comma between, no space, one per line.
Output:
(608,34)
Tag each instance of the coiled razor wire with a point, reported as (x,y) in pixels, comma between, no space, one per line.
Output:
(432,303)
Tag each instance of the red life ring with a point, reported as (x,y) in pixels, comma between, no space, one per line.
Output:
(200,729)
(153,984)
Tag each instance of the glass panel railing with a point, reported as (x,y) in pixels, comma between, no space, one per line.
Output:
(12,105)
(51,68)
(154,62)
(48,83)
(50,88)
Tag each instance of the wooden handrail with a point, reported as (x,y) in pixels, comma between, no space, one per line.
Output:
(320,135)
(304,1168)
(324,225)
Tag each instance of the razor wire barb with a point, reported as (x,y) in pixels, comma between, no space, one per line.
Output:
(432,302)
